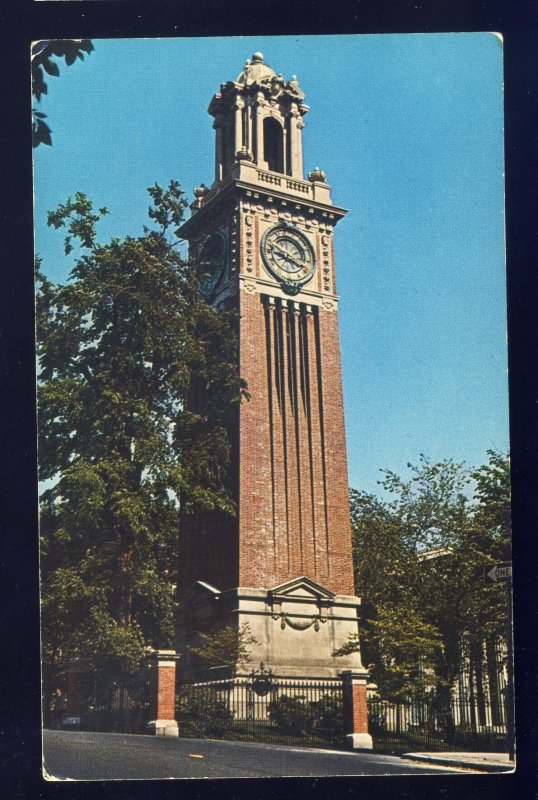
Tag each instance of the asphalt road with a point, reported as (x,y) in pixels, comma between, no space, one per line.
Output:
(73,755)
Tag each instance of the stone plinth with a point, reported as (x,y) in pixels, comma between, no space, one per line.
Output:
(297,625)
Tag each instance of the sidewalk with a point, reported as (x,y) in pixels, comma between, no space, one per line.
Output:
(484,762)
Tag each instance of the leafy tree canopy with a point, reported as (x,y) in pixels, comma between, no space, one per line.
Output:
(43,54)
(121,348)
(419,562)
(226,646)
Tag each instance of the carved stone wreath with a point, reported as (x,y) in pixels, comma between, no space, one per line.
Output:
(299,624)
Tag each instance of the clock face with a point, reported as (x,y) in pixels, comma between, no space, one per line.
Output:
(212,261)
(289,256)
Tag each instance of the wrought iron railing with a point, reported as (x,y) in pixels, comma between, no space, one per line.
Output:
(435,724)
(263,707)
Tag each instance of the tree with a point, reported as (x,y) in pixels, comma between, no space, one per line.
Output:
(226,646)
(419,559)
(120,347)
(401,649)
(43,53)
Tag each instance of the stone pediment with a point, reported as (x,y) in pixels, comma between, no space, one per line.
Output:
(201,603)
(301,589)
(202,592)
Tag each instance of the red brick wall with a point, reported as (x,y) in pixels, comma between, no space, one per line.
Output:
(290,467)
(340,567)
(355,708)
(163,693)
(293,498)
(256,529)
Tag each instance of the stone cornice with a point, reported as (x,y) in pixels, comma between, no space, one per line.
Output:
(262,595)
(239,187)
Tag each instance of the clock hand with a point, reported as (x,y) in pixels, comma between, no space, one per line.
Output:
(287,256)
(282,250)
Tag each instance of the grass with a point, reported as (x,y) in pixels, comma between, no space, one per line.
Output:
(397,744)
(263,734)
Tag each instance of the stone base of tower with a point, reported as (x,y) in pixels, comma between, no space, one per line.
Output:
(294,631)
(297,626)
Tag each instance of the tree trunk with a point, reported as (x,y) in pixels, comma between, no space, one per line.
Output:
(472,699)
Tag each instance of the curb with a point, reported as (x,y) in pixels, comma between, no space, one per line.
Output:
(462,763)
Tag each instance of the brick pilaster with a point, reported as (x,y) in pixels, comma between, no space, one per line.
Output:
(340,559)
(163,693)
(356,710)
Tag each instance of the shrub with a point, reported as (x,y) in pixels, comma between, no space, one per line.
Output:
(292,714)
(328,716)
(202,713)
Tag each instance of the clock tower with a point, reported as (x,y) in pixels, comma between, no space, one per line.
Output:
(261,238)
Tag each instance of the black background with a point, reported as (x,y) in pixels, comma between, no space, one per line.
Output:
(25,20)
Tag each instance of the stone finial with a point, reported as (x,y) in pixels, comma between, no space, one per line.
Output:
(255,71)
(200,191)
(317,174)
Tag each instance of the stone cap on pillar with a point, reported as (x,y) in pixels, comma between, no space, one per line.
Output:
(355,675)
(162,658)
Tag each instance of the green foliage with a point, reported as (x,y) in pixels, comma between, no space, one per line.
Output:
(168,206)
(295,715)
(419,560)
(403,649)
(328,713)
(43,53)
(225,647)
(292,714)
(201,713)
(76,215)
(121,349)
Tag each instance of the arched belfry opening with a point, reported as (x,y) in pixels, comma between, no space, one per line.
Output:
(258,118)
(273,144)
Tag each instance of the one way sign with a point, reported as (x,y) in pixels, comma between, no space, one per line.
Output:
(500,572)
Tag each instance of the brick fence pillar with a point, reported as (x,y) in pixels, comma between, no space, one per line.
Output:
(162,701)
(356,710)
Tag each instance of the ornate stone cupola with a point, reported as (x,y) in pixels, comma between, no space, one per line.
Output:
(259,118)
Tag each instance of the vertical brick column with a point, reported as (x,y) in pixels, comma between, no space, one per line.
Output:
(356,710)
(162,703)
(340,567)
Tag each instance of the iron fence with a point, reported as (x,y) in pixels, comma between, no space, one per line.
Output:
(437,724)
(263,708)
(120,708)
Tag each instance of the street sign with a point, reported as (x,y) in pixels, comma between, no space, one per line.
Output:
(500,572)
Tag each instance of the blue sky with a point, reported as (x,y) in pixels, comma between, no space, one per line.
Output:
(408,129)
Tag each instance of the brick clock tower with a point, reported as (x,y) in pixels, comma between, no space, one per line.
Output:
(262,240)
